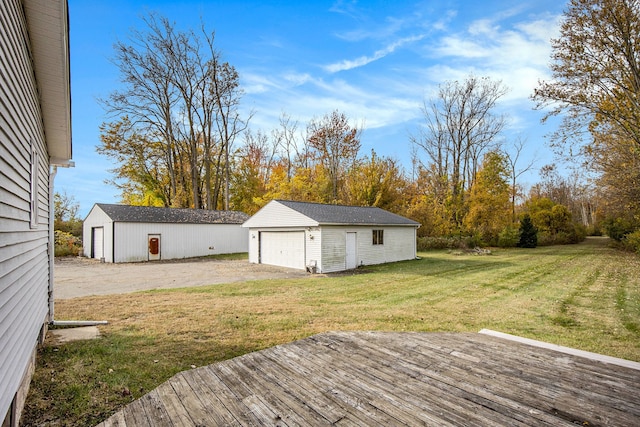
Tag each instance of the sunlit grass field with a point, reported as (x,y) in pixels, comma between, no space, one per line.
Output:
(585,296)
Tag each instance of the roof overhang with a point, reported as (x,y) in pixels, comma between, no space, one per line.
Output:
(48,27)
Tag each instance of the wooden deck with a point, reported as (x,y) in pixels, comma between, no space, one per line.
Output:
(385,379)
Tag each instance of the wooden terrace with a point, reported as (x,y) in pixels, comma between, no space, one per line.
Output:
(385,379)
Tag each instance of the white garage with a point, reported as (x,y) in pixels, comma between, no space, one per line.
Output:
(327,238)
(121,233)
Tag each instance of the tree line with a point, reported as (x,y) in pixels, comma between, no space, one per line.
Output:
(178,140)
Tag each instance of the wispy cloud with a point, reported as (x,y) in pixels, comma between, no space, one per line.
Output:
(346,7)
(349,64)
(517,53)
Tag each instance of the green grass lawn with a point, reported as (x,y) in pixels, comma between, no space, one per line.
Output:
(585,296)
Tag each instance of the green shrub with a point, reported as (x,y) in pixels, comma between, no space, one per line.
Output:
(631,241)
(528,233)
(594,230)
(619,227)
(442,242)
(66,244)
(509,237)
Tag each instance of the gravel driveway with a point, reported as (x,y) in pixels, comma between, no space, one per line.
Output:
(79,277)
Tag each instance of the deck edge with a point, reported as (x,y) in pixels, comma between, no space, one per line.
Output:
(568,350)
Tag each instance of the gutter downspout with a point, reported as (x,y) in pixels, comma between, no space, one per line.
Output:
(52,249)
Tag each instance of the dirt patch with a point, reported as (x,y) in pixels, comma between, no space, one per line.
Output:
(78,277)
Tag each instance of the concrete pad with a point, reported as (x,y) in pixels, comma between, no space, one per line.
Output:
(75,334)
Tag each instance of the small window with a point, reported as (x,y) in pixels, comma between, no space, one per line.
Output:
(34,186)
(378,237)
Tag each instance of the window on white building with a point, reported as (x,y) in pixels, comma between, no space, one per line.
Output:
(378,237)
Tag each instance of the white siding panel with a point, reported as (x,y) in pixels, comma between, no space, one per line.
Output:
(24,267)
(314,248)
(254,245)
(399,245)
(334,248)
(177,240)
(275,214)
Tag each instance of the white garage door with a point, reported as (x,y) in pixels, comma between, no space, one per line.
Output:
(285,249)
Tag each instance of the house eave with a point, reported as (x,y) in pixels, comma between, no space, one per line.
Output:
(48,27)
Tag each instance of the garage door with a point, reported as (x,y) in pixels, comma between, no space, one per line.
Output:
(285,249)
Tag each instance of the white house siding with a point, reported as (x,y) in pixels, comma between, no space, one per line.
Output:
(177,240)
(98,218)
(24,261)
(314,248)
(254,245)
(334,241)
(399,245)
(275,214)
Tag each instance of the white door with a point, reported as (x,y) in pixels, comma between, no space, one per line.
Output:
(154,247)
(351,256)
(97,242)
(282,248)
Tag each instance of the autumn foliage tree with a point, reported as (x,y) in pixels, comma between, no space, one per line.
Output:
(337,144)
(460,127)
(489,199)
(179,98)
(376,181)
(595,87)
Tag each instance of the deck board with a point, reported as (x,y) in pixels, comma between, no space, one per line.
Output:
(383,379)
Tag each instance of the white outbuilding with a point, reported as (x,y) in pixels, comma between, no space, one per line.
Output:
(328,238)
(122,233)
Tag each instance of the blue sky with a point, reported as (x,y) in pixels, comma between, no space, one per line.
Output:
(375,61)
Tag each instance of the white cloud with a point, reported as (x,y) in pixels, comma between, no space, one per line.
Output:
(389,95)
(348,64)
(517,55)
(253,83)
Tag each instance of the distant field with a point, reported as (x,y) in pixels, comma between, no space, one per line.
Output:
(585,296)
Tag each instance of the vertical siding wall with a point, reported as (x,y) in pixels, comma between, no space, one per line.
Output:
(177,240)
(24,261)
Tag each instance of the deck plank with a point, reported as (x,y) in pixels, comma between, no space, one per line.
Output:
(414,395)
(382,379)
(273,390)
(179,415)
(546,390)
(232,404)
(461,389)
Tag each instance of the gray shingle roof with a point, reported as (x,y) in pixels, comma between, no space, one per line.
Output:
(125,213)
(339,214)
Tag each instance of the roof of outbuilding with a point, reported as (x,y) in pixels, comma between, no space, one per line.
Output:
(126,213)
(340,214)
